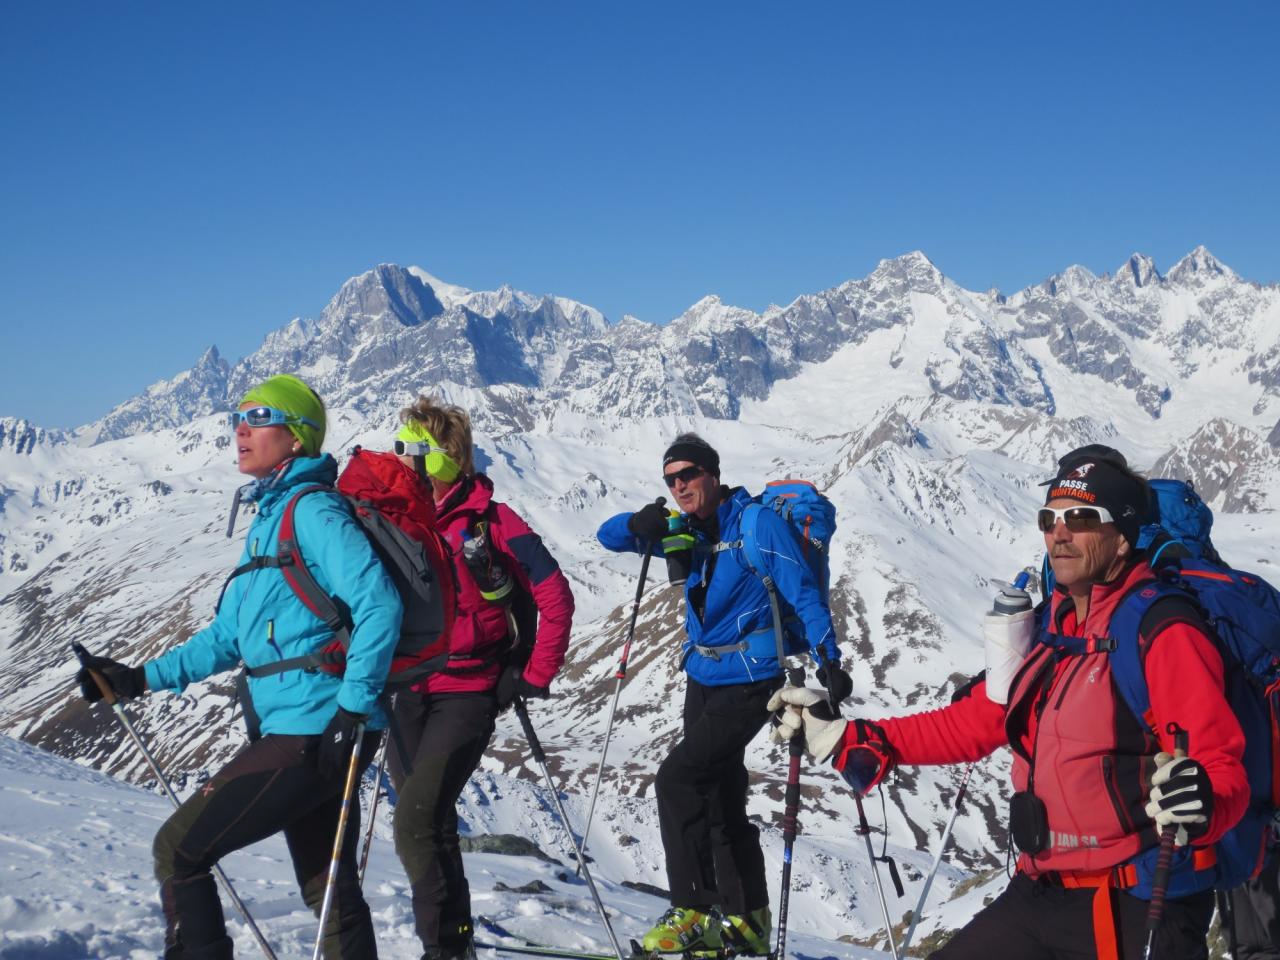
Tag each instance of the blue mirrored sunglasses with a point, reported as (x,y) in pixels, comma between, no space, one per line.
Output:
(267,417)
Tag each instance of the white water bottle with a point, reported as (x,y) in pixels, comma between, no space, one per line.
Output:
(1007,632)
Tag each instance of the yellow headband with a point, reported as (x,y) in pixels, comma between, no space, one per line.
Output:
(435,459)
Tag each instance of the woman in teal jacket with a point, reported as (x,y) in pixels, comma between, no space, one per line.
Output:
(290,776)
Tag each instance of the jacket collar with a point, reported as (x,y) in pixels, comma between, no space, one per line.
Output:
(1103,600)
(469,495)
(280,484)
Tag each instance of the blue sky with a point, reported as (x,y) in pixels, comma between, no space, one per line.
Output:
(179,174)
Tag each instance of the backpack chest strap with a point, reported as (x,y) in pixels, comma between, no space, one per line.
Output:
(1065,646)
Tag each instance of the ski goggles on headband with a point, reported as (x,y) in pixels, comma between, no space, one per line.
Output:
(1077,519)
(435,460)
(267,417)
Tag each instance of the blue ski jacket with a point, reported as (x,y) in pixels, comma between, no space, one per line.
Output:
(737,609)
(261,621)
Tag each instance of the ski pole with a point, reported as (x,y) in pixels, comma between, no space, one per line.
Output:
(1019,583)
(937,860)
(619,675)
(109,696)
(353,769)
(373,806)
(535,747)
(790,825)
(1227,920)
(864,829)
(1160,879)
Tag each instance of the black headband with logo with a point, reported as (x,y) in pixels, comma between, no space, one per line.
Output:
(1097,475)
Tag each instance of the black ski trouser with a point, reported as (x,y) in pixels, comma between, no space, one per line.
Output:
(712,849)
(444,735)
(1034,919)
(269,786)
(1255,911)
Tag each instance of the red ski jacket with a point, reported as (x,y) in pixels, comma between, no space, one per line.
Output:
(1092,759)
(480,626)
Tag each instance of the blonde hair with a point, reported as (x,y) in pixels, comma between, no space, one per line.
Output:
(448,423)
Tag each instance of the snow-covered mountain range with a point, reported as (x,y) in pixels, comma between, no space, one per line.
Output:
(927,412)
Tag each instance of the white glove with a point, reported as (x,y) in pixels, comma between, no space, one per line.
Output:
(1182,796)
(809,711)
(1006,640)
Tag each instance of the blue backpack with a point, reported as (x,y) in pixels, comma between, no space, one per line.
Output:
(812,518)
(1243,611)
(1178,517)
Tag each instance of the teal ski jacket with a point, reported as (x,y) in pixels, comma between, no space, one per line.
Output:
(260,621)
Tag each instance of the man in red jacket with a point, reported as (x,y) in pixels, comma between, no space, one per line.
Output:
(1094,785)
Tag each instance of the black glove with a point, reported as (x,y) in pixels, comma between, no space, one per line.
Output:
(125,680)
(512,684)
(337,742)
(835,681)
(649,523)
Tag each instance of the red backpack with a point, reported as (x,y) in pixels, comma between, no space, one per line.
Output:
(399,518)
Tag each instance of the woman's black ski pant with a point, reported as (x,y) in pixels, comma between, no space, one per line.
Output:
(268,787)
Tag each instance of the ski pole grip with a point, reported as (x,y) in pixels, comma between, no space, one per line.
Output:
(530,735)
(108,692)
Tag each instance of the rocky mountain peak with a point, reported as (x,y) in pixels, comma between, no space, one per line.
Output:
(21,436)
(1199,267)
(387,292)
(913,267)
(1140,270)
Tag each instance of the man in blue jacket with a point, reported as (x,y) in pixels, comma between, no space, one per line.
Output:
(715,868)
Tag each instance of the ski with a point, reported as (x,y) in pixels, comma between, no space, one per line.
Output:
(529,947)
(536,951)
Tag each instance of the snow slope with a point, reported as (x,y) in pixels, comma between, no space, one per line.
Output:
(76,882)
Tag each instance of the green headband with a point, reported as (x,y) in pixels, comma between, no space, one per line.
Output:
(414,440)
(290,395)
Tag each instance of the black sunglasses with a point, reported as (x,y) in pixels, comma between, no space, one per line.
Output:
(688,475)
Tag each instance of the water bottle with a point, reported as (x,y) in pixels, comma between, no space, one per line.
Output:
(1007,632)
(1013,598)
(677,547)
(494,581)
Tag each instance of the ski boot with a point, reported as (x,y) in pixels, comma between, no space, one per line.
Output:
(685,931)
(457,946)
(747,933)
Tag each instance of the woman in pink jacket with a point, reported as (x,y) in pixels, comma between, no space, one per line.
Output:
(510,632)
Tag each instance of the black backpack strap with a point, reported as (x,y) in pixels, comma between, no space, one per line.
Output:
(255,563)
(252,722)
(308,662)
(396,733)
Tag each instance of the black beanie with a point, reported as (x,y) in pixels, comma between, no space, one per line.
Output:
(691,447)
(1099,476)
